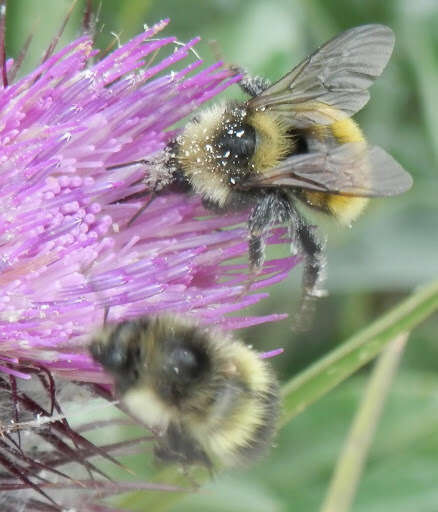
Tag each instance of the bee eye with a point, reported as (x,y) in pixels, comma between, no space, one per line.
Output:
(113,357)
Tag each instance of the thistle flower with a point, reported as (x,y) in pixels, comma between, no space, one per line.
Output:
(67,254)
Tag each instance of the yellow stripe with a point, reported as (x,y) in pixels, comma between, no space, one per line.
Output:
(345,208)
(347,130)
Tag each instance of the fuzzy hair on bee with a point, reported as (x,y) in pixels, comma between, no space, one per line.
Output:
(209,397)
(292,143)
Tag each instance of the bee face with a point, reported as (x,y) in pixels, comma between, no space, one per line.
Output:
(215,151)
(235,143)
(121,351)
(147,351)
(209,396)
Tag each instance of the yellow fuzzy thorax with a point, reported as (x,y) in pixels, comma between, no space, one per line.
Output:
(196,155)
(273,141)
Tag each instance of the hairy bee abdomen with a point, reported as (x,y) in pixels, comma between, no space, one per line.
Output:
(345,209)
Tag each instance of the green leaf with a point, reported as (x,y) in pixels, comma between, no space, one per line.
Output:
(352,460)
(332,369)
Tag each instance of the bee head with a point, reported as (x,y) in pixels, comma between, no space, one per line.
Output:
(120,351)
(181,362)
(215,152)
(235,143)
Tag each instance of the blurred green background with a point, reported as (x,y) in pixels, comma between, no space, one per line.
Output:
(390,251)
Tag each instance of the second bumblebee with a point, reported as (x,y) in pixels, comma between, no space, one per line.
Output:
(208,396)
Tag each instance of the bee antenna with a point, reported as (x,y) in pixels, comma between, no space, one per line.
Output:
(216,50)
(152,195)
(148,201)
(218,54)
(127,164)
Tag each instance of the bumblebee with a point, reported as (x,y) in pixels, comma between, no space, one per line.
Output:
(209,397)
(294,142)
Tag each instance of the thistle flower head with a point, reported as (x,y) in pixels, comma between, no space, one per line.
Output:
(66,251)
(67,254)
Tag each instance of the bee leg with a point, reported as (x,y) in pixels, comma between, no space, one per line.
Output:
(251,85)
(211,206)
(257,253)
(236,202)
(256,250)
(177,446)
(314,267)
(271,208)
(277,208)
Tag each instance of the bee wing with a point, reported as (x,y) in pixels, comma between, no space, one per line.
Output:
(331,83)
(352,169)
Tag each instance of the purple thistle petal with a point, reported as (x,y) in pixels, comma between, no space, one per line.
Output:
(15,373)
(272,353)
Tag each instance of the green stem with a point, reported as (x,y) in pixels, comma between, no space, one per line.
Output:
(351,462)
(332,369)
